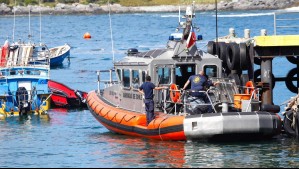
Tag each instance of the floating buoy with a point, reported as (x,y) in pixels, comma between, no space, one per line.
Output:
(86,36)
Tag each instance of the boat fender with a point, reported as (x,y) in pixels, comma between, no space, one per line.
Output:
(244,56)
(233,56)
(289,82)
(174,93)
(249,89)
(293,59)
(270,108)
(211,48)
(222,52)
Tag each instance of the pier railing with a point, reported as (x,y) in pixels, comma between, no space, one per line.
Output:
(286,20)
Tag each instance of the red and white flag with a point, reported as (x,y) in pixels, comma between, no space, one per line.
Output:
(191,38)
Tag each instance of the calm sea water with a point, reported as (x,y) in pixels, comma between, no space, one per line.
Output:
(73,138)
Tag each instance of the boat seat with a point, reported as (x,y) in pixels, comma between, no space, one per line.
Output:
(58,52)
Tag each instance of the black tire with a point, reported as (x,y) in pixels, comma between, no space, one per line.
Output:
(287,121)
(211,47)
(244,56)
(222,53)
(257,73)
(236,78)
(293,59)
(289,83)
(233,56)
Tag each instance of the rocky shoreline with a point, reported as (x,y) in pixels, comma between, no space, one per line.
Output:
(76,8)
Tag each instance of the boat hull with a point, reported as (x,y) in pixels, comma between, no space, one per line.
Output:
(248,125)
(63,96)
(44,107)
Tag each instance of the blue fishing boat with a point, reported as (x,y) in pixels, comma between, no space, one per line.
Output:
(23,84)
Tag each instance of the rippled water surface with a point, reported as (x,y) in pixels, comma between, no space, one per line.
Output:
(73,138)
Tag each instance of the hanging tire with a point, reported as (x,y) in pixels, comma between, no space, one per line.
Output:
(244,56)
(211,47)
(287,121)
(257,73)
(293,59)
(289,83)
(222,52)
(233,56)
(236,78)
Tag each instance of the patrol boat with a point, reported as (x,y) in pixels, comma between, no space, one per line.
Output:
(227,111)
(23,83)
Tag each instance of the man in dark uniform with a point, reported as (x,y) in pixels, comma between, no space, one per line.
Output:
(147,89)
(198,83)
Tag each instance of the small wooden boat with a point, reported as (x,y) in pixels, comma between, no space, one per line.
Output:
(224,111)
(56,55)
(64,96)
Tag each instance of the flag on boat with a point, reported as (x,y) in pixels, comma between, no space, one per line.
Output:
(191,38)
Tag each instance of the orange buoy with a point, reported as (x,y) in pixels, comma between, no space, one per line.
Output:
(87,36)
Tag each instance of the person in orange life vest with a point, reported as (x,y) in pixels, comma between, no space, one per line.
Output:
(147,90)
(198,83)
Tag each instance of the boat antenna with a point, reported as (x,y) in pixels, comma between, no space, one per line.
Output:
(111,31)
(29,35)
(40,22)
(179,14)
(216,7)
(14,22)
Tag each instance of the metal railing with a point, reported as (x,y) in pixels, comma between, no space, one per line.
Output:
(286,20)
(107,83)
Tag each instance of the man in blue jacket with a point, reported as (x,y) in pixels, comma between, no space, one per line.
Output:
(147,89)
(198,83)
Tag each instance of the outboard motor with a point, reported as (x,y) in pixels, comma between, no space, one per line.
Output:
(79,94)
(197,106)
(22,100)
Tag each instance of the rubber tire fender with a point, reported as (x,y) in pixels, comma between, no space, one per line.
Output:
(292,59)
(244,56)
(289,83)
(211,48)
(233,56)
(222,52)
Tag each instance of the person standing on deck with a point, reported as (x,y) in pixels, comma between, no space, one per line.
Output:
(198,83)
(147,90)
